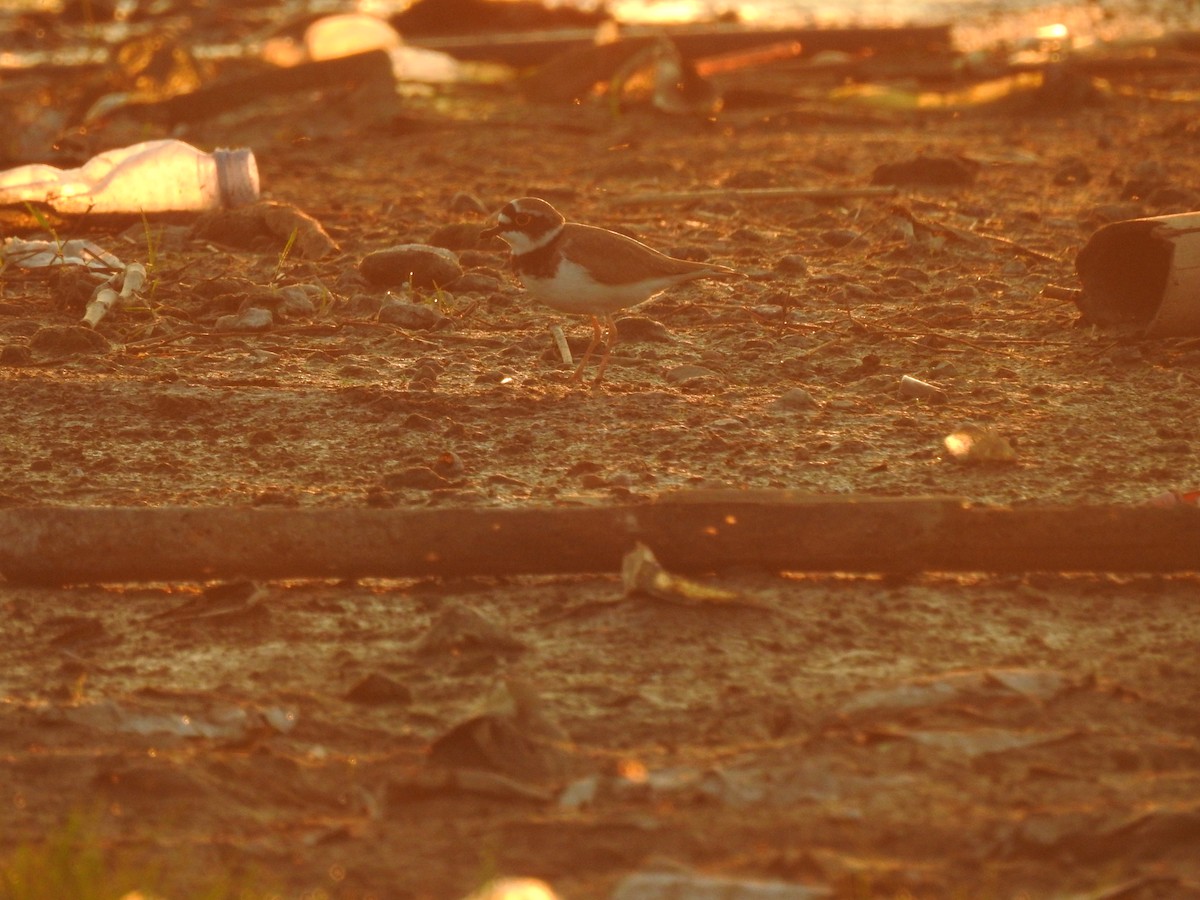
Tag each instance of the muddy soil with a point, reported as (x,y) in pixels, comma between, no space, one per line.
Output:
(933,736)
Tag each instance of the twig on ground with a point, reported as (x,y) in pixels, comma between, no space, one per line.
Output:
(756,194)
(942,336)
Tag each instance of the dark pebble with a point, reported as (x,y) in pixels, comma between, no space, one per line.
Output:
(422,265)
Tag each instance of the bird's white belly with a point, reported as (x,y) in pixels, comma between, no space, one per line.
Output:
(573,290)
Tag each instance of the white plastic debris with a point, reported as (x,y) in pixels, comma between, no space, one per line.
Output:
(971,444)
(515,889)
(642,573)
(105,297)
(75,252)
(154,176)
(340,35)
(345,34)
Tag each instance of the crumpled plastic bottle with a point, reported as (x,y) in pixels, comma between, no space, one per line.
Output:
(155,176)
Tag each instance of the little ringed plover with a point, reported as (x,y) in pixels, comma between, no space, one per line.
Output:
(586,270)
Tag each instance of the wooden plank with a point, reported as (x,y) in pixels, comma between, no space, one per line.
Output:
(776,530)
(531,48)
(236,91)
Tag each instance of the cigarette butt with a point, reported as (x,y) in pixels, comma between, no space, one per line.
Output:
(915,387)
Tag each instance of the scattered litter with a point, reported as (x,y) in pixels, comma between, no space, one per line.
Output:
(1143,273)
(641,573)
(75,252)
(560,342)
(347,34)
(979,446)
(105,298)
(514,889)
(335,36)
(923,390)
(154,176)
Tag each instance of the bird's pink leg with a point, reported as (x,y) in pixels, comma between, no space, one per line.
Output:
(587,354)
(610,341)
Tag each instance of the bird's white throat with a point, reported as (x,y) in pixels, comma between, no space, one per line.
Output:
(521,243)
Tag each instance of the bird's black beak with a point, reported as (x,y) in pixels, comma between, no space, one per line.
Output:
(490,232)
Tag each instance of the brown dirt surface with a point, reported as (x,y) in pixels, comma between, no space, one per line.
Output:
(939,735)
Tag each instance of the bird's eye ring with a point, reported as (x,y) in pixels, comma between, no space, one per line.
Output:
(524,219)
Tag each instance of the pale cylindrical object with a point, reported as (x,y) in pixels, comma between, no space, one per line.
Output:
(339,35)
(915,387)
(515,889)
(237,176)
(1144,272)
(154,176)
(560,341)
(105,298)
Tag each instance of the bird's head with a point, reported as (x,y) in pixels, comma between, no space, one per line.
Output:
(525,225)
